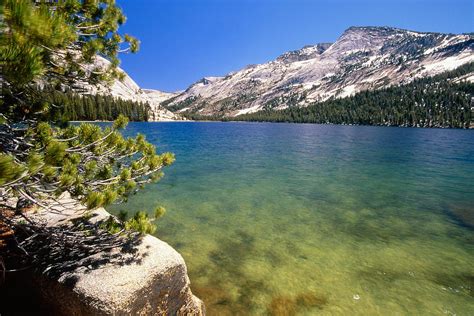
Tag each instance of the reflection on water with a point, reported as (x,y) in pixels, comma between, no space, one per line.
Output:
(282,219)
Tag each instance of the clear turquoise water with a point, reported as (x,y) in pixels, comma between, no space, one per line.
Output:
(291,219)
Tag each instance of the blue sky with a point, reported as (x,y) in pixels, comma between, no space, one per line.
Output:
(183,41)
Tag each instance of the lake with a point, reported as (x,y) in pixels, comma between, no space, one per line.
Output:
(303,219)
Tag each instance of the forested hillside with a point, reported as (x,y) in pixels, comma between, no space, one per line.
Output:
(438,101)
(70,106)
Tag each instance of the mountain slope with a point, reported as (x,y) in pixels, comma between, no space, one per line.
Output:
(156,98)
(439,101)
(362,58)
(128,89)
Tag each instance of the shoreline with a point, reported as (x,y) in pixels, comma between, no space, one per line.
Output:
(296,123)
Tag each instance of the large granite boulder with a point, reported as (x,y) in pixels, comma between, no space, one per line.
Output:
(156,284)
(150,280)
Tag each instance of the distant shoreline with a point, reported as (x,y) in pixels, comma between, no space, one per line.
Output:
(335,124)
(269,122)
(100,121)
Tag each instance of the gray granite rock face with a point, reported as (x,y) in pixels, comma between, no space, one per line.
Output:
(158,285)
(152,280)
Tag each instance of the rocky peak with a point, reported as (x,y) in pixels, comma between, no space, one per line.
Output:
(363,38)
(374,30)
(305,53)
(207,80)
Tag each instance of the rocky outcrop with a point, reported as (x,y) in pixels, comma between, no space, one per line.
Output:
(128,89)
(160,113)
(150,280)
(157,285)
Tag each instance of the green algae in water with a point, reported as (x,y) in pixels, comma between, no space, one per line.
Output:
(290,219)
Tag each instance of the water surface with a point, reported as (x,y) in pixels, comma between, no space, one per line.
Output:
(302,219)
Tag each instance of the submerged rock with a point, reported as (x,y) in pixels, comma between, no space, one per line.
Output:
(463,214)
(306,301)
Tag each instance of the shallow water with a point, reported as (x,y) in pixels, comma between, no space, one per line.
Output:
(292,219)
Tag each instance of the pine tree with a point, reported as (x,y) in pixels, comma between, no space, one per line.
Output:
(55,43)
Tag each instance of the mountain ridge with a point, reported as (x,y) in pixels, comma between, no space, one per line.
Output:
(362,58)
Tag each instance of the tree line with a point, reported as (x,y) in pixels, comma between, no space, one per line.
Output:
(70,106)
